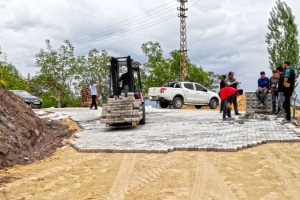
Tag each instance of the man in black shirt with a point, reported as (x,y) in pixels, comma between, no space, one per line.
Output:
(124,79)
(280,88)
(273,89)
(222,85)
(289,84)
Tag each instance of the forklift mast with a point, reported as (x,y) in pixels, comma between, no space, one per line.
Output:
(115,89)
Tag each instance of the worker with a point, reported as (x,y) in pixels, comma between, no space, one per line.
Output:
(232,82)
(93,88)
(228,94)
(289,86)
(263,89)
(222,85)
(274,79)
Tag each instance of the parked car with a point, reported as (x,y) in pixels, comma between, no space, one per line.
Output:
(180,93)
(33,101)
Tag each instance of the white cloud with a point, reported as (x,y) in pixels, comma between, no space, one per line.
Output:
(222,35)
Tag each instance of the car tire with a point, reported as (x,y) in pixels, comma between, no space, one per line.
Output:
(143,120)
(177,102)
(163,104)
(198,106)
(213,104)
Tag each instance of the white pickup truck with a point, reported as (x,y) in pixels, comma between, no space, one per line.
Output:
(180,93)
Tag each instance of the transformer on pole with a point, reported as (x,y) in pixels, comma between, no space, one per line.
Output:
(183,44)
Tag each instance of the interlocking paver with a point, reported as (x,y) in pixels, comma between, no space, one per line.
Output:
(168,130)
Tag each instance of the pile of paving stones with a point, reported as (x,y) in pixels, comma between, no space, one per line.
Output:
(253,104)
(86,97)
(120,110)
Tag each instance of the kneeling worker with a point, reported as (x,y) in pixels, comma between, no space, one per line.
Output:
(228,94)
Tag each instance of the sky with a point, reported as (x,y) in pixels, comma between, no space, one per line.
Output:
(222,36)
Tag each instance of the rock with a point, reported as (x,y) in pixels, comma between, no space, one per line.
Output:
(26,158)
(62,134)
(37,132)
(4,148)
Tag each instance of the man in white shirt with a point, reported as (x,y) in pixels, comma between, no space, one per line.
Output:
(93,88)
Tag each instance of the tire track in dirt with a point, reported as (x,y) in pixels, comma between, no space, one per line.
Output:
(151,175)
(200,179)
(223,189)
(284,175)
(285,156)
(48,171)
(121,181)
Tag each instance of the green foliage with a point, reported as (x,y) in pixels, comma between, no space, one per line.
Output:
(159,70)
(93,67)
(10,77)
(282,37)
(56,70)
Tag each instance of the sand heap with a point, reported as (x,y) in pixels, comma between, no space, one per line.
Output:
(20,128)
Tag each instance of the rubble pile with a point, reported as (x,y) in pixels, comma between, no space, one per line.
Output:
(122,109)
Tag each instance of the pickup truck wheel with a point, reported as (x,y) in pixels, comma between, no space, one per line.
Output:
(143,120)
(198,107)
(163,104)
(213,103)
(177,102)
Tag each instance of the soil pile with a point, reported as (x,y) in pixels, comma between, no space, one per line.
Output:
(23,136)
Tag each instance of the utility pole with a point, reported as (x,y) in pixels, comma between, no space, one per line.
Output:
(183,43)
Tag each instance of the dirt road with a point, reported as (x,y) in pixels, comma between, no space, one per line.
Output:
(271,171)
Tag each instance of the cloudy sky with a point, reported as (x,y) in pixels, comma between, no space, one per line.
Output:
(222,35)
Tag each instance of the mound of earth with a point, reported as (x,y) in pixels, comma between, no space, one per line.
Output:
(23,136)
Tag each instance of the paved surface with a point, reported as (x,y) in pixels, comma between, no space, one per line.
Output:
(170,130)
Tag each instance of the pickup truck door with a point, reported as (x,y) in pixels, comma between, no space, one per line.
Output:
(189,92)
(201,94)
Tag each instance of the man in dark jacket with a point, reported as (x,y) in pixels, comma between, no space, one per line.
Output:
(263,88)
(273,89)
(232,82)
(289,85)
(222,85)
(280,88)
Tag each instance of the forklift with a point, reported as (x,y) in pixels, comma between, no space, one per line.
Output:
(126,103)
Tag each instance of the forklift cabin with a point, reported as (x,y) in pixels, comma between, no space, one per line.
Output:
(134,85)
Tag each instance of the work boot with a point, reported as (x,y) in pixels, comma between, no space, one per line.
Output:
(285,121)
(231,118)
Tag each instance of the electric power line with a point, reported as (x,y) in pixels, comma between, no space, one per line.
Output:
(117,30)
(130,31)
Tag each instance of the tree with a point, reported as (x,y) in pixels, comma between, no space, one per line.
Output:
(57,70)
(94,67)
(282,37)
(159,70)
(10,77)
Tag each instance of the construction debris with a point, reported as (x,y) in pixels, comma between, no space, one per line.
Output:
(121,110)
